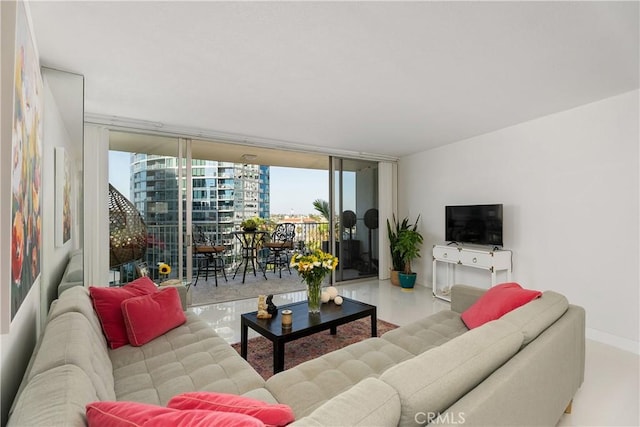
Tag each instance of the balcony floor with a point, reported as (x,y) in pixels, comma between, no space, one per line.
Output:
(205,291)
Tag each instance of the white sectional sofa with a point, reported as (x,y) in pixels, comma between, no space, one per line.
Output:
(522,369)
(73,273)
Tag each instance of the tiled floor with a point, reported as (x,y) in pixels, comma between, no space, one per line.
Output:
(609,395)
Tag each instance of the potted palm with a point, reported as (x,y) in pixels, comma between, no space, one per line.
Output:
(401,234)
(405,241)
(396,259)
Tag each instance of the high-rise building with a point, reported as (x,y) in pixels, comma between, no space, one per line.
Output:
(223,195)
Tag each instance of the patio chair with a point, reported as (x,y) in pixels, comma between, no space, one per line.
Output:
(279,245)
(207,255)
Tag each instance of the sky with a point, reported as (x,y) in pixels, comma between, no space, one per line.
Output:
(292,190)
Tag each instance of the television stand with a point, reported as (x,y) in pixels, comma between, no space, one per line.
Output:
(491,260)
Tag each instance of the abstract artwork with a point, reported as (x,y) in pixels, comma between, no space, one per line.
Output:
(26,165)
(63,197)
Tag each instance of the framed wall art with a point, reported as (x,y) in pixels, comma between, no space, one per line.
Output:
(63,197)
(26,164)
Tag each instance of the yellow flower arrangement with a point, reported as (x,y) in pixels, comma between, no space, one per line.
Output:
(313,268)
(315,265)
(164,268)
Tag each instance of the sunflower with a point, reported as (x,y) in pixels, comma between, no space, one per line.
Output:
(164,268)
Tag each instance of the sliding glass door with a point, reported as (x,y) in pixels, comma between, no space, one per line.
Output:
(151,172)
(179,185)
(354,196)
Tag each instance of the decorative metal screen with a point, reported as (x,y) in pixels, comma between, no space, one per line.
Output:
(127,230)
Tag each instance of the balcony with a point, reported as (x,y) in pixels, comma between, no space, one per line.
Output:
(162,246)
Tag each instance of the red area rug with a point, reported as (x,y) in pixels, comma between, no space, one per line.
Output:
(260,349)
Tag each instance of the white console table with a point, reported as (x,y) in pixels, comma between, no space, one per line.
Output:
(486,259)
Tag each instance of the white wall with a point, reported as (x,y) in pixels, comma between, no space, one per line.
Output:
(56,135)
(570,187)
(96,205)
(17,343)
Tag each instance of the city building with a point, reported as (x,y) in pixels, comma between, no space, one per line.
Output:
(223,195)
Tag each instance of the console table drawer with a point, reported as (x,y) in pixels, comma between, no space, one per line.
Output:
(446,254)
(476,259)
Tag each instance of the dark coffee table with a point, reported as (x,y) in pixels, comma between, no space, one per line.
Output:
(304,324)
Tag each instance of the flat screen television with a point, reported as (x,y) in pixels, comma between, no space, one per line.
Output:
(477,224)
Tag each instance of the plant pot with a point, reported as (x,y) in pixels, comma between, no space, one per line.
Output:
(395,280)
(407,281)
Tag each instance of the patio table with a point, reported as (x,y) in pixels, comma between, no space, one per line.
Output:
(250,241)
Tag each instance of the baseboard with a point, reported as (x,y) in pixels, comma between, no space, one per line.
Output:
(613,340)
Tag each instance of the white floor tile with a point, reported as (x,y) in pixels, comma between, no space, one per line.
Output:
(609,394)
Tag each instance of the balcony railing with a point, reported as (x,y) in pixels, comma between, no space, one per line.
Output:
(162,246)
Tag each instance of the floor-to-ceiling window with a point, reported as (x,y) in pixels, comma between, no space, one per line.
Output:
(175,192)
(355,208)
(152,179)
(177,184)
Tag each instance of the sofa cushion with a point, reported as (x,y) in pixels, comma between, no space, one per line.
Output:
(56,397)
(187,358)
(371,402)
(148,316)
(435,379)
(463,297)
(496,302)
(538,315)
(107,304)
(74,272)
(133,414)
(77,300)
(426,333)
(109,413)
(273,415)
(310,384)
(69,339)
(261,394)
(200,418)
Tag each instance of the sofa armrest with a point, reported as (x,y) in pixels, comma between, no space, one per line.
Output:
(535,386)
(370,402)
(463,296)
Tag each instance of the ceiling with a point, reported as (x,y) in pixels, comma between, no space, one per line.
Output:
(382,78)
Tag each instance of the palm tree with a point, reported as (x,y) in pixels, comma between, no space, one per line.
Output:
(322,206)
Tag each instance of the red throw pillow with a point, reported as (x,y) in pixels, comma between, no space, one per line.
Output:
(199,418)
(496,302)
(115,414)
(149,316)
(270,414)
(106,303)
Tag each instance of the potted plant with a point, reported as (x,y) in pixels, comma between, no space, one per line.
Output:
(249,224)
(405,241)
(396,259)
